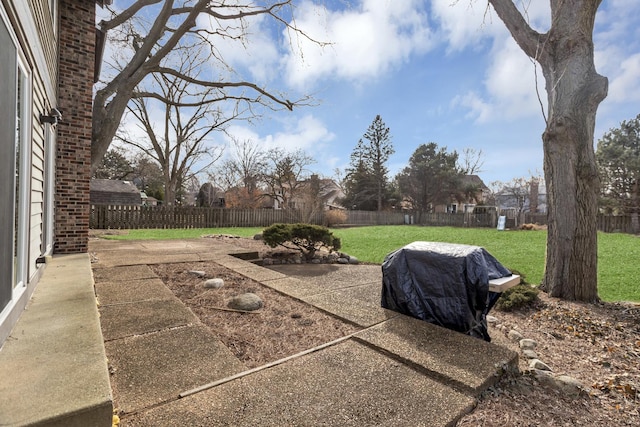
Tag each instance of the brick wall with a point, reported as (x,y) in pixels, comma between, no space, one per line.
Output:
(73,153)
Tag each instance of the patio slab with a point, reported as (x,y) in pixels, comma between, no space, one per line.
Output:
(345,385)
(156,367)
(135,272)
(141,317)
(118,292)
(473,366)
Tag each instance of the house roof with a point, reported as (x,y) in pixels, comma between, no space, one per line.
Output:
(474,180)
(114,192)
(113,186)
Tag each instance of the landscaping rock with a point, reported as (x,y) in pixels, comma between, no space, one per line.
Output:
(539,365)
(214,283)
(528,344)
(529,354)
(353,260)
(258,236)
(198,273)
(246,302)
(491,320)
(515,335)
(343,260)
(568,385)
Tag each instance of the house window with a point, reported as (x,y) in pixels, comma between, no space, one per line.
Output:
(15,155)
(453,208)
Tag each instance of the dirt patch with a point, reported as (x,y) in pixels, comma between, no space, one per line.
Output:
(284,326)
(599,345)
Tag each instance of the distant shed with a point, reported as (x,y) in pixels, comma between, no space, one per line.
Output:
(114,192)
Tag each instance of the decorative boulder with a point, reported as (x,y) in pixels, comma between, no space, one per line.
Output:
(197,273)
(246,302)
(214,283)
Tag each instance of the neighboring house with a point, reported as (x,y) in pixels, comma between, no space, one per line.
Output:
(114,192)
(529,198)
(47,69)
(473,192)
(148,200)
(315,189)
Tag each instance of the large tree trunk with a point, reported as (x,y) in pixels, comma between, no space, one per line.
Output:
(574,91)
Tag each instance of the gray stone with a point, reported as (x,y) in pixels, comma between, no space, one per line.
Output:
(529,354)
(354,260)
(491,320)
(543,377)
(539,365)
(515,335)
(568,385)
(258,236)
(343,260)
(214,283)
(197,273)
(267,261)
(246,302)
(528,344)
(316,261)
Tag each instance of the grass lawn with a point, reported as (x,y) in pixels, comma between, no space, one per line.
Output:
(523,251)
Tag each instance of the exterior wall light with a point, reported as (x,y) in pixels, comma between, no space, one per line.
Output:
(53,118)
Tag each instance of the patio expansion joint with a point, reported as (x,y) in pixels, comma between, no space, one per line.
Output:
(147,333)
(436,376)
(275,363)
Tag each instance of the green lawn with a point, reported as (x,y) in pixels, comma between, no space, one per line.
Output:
(523,251)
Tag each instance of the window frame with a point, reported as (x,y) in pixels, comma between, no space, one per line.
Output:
(20,186)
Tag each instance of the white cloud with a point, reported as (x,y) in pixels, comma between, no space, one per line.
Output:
(463,24)
(509,84)
(250,48)
(625,85)
(306,133)
(367,40)
(509,87)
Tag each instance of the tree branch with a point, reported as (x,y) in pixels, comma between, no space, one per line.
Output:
(528,39)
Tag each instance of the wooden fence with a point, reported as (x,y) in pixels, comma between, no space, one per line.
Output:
(134,217)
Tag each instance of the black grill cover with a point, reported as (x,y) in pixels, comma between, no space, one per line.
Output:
(442,283)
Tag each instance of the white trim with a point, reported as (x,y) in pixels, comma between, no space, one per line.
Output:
(25,18)
(48,212)
(24,186)
(20,281)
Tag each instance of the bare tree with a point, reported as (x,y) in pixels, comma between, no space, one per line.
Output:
(285,175)
(241,172)
(180,142)
(514,194)
(471,161)
(565,54)
(148,30)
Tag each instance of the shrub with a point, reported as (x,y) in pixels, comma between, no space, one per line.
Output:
(305,238)
(335,216)
(518,297)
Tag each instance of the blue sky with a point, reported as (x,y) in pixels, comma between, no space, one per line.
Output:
(436,71)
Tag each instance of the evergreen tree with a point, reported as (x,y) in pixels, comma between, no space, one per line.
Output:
(367,179)
(618,158)
(431,178)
